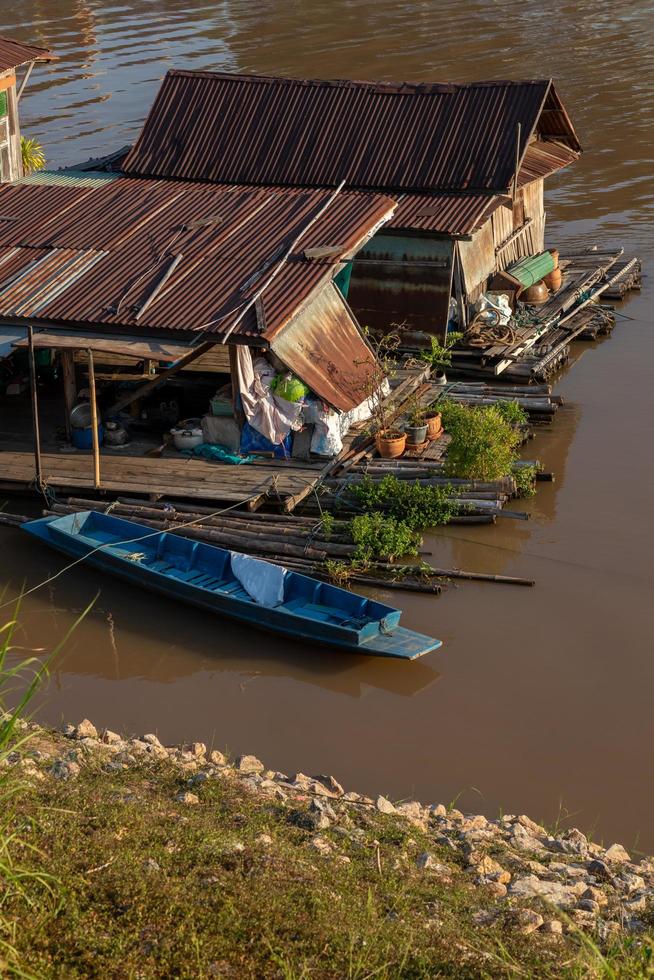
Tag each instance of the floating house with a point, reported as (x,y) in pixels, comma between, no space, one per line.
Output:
(253,228)
(465,163)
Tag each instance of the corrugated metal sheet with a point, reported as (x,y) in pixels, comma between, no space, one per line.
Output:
(69,178)
(325,348)
(258,130)
(542,159)
(445,214)
(230,240)
(14,53)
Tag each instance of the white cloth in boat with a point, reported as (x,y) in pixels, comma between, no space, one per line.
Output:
(262,581)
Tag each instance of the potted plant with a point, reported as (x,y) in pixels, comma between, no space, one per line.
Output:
(389,439)
(416,427)
(440,355)
(434,424)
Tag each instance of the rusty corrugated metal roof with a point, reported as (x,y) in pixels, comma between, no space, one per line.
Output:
(445,214)
(230,239)
(253,129)
(14,53)
(544,158)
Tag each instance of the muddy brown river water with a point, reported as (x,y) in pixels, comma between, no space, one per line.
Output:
(541,701)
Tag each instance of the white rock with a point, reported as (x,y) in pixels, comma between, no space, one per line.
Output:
(330,784)
(553,927)
(384,805)
(563,896)
(617,853)
(111,738)
(249,763)
(86,729)
(217,758)
(151,739)
(321,845)
(191,799)
(199,750)
(437,810)
(263,840)
(527,921)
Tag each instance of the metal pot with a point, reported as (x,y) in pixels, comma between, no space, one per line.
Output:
(188,434)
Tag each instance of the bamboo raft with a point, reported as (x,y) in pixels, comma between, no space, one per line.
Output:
(297,542)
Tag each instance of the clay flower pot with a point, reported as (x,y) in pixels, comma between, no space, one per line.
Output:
(416,434)
(434,425)
(390,444)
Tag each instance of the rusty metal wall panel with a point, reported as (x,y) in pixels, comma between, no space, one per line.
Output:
(230,239)
(398,279)
(477,260)
(326,349)
(261,130)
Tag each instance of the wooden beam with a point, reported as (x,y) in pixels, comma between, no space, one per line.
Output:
(35,410)
(94,424)
(24,81)
(151,385)
(70,387)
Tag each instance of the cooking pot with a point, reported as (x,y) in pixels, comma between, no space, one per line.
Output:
(187,434)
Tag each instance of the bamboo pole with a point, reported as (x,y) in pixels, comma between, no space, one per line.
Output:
(38,470)
(94,423)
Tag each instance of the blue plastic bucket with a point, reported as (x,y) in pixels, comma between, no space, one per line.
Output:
(83,438)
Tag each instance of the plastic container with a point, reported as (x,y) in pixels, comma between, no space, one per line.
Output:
(83,438)
(221,406)
(188,434)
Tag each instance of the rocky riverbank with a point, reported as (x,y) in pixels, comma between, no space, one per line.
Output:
(496,880)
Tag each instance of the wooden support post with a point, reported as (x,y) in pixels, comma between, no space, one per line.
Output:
(517,161)
(94,423)
(70,388)
(159,380)
(35,410)
(459,290)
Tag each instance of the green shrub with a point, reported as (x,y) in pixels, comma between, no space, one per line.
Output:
(415,505)
(378,536)
(525,480)
(483,445)
(513,413)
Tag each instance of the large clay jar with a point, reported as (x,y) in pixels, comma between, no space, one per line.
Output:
(554,252)
(553,280)
(536,294)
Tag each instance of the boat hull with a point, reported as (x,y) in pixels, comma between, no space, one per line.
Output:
(397,642)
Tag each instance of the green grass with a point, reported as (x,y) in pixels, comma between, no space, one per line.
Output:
(150,887)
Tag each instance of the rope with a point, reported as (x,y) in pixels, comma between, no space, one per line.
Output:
(482,332)
(115,544)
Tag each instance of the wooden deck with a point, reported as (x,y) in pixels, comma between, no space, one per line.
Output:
(171,476)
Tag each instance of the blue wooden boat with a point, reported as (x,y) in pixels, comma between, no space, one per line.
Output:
(210,577)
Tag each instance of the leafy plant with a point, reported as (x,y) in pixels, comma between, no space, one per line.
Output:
(440,355)
(483,444)
(525,480)
(32,155)
(378,536)
(417,506)
(513,413)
